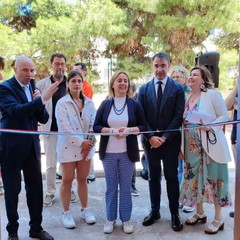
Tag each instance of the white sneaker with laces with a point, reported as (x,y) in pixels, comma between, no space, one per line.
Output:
(109,227)
(127,227)
(87,215)
(68,220)
(48,200)
(74,198)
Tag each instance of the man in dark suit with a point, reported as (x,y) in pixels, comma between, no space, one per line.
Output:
(21,108)
(163,102)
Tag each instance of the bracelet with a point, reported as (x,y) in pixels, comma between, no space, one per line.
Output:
(131,130)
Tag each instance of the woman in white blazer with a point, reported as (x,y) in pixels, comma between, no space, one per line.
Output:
(75,113)
(206,151)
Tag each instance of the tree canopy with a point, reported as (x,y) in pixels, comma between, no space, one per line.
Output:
(129,31)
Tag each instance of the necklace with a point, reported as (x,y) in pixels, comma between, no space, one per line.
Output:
(119,111)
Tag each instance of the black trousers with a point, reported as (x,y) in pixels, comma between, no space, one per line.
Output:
(11,175)
(168,155)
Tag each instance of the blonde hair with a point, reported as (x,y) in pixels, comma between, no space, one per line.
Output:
(113,79)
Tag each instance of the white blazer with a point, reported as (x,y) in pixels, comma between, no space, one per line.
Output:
(212,103)
(68,120)
(43,85)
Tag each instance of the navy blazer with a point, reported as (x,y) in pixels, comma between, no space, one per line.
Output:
(135,118)
(18,113)
(170,112)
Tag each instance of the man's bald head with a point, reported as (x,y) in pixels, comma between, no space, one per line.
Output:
(24,69)
(22,59)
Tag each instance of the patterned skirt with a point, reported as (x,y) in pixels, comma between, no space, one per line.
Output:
(204,179)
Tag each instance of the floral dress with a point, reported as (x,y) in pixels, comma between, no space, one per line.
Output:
(204,179)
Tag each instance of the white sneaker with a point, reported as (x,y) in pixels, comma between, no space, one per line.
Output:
(187,209)
(74,198)
(109,227)
(48,200)
(68,220)
(127,227)
(87,215)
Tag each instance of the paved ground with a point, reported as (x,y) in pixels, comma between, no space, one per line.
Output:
(159,231)
(141,206)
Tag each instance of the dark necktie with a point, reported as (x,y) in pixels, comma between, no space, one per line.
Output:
(159,98)
(159,94)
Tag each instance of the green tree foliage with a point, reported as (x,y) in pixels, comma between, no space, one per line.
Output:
(228,69)
(175,26)
(227,41)
(133,66)
(131,30)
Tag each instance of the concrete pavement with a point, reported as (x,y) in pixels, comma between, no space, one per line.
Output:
(161,230)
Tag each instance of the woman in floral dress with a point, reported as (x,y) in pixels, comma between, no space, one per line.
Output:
(206,151)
